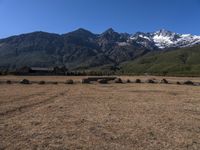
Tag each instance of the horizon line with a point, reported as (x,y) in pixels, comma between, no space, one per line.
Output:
(81,28)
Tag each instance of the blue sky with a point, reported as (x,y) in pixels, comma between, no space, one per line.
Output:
(61,16)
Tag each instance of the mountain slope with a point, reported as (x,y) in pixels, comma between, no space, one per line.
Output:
(77,49)
(185,61)
(34,48)
(82,49)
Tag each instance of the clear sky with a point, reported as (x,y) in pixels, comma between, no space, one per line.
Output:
(61,16)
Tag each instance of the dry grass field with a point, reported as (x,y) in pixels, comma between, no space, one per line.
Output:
(99,116)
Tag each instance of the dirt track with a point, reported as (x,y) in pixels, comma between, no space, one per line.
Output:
(113,116)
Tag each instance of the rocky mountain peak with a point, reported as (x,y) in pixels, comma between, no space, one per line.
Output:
(109,31)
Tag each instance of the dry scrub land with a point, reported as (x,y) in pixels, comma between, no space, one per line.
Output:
(95,116)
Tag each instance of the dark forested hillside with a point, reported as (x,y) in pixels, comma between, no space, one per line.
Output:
(80,48)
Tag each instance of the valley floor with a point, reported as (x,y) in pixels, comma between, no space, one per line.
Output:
(95,116)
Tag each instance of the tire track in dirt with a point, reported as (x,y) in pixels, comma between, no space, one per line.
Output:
(28,107)
(22,98)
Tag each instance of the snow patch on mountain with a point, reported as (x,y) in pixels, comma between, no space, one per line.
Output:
(123,44)
(163,39)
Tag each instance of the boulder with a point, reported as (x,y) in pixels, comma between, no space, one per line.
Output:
(85,81)
(102,81)
(55,82)
(25,81)
(42,82)
(69,81)
(151,81)
(164,81)
(189,82)
(118,80)
(137,81)
(8,82)
(128,81)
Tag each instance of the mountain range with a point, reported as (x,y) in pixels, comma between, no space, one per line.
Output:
(82,49)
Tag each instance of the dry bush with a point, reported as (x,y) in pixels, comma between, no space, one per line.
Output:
(69,81)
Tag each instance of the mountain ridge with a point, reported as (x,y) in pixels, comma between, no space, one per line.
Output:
(158,38)
(84,49)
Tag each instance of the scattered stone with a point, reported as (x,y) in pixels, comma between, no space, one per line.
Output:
(25,81)
(128,81)
(102,81)
(164,81)
(101,77)
(118,80)
(178,83)
(8,82)
(42,82)
(151,81)
(55,82)
(69,81)
(137,81)
(85,81)
(189,82)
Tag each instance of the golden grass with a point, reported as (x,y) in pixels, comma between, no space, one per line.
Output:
(96,116)
(78,78)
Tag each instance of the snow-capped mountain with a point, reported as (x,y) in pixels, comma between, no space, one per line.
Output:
(163,39)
